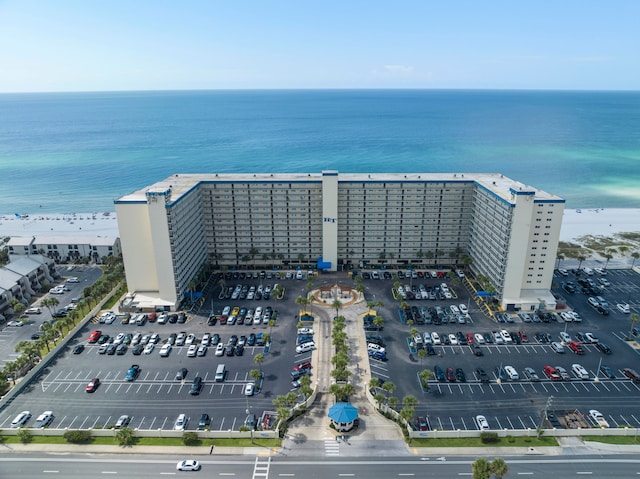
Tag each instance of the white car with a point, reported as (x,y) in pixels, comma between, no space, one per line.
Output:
(305,347)
(33,311)
(497,337)
(148,349)
(479,338)
(563,272)
(435,337)
(73,279)
(482,423)
(600,271)
(599,418)
(463,309)
(506,337)
(623,308)
(566,317)
(579,371)
(557,347)
(220,349)
(21,419)
(249,389)
(191,465)
(453,339)
(192,351)
(181,423)
(512,373)
(226,311)
(591,338)
(565,337)
(427,337)
(44,419)
(206,338)
(15,323)
(165,350)
(305,331)
(454,309)
(190,339)
(375,347)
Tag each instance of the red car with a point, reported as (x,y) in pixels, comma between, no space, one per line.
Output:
(523,337)
(451,377)
(552,373)
(94,336)
(576,347)
(93,385)
(302,366)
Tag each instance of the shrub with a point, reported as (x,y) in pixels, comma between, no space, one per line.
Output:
(125,436)
(77,437)
(190,438)
(487,437)
(511,439)
(24,435)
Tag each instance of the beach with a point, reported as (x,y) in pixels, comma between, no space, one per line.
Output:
(576,223)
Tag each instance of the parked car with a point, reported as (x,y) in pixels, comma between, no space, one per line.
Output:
(482,423)
(44,419)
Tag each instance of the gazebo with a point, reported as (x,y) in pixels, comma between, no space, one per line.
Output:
(343,416)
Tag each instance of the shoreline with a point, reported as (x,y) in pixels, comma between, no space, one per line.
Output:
(576,224)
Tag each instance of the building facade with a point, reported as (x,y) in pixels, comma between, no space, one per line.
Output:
(507,230)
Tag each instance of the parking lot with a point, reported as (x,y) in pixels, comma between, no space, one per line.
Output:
(520,403)
(155,398)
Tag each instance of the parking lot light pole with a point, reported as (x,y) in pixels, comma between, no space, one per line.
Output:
(597,379)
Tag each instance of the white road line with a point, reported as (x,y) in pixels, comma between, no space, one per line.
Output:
(109,472)
(52,472)
(406,474)
(525,473)
(286,475)
(584,472)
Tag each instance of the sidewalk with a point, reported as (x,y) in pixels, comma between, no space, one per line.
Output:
(310,434)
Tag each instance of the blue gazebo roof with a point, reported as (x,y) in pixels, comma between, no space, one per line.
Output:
(343,412)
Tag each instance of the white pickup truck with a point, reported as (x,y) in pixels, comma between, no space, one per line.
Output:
(599,418)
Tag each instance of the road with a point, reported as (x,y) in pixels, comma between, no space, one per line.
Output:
(35,466)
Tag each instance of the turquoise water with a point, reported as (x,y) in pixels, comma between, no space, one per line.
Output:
(78,152)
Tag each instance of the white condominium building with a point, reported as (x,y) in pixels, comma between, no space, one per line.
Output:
(504,230)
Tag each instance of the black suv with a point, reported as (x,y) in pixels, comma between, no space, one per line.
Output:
(196,386)
(204,421)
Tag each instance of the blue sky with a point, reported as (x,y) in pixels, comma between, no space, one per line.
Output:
(82,45)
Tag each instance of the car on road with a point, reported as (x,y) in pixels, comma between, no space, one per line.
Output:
(123,421)
(33,310)
(44,419)
(93,385)
(189,465)
(482,423)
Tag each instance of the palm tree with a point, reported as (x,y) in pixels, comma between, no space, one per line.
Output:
(422,354)
(608,254)
(425,375)
(259,359)
(499,468)
(388,387)
(302,302)
(374,383)
(379,398)
(278,291)
(481,468)
(378,321)
(271,324)
(255,374)
(580,259)
(337,304)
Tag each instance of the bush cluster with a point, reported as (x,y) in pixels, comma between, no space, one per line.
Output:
(77,437)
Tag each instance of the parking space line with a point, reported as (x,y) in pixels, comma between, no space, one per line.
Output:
(510,423)
(522,422)
(533,422)
(464,424)
(452,425)
(498,421)
(636,420)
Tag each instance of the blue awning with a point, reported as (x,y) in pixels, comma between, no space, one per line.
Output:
(323,264)
(343,412)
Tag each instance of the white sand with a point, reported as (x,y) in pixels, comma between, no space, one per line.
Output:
(600,222)
(84,224)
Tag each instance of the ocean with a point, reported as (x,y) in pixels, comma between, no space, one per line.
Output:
(77,152)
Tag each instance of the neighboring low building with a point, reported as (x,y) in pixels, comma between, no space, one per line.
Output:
(66,248)
(507,230)
(22,278)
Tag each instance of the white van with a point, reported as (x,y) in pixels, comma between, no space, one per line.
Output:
(305,347)
(512,373)
(221,372)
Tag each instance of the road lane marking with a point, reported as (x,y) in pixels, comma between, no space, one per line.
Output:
(51,472)
(525,473)
(584,472)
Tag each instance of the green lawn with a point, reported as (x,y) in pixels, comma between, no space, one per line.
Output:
(152,441)
(476,442)
(630,440)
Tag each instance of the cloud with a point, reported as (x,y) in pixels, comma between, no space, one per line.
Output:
(399,70)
